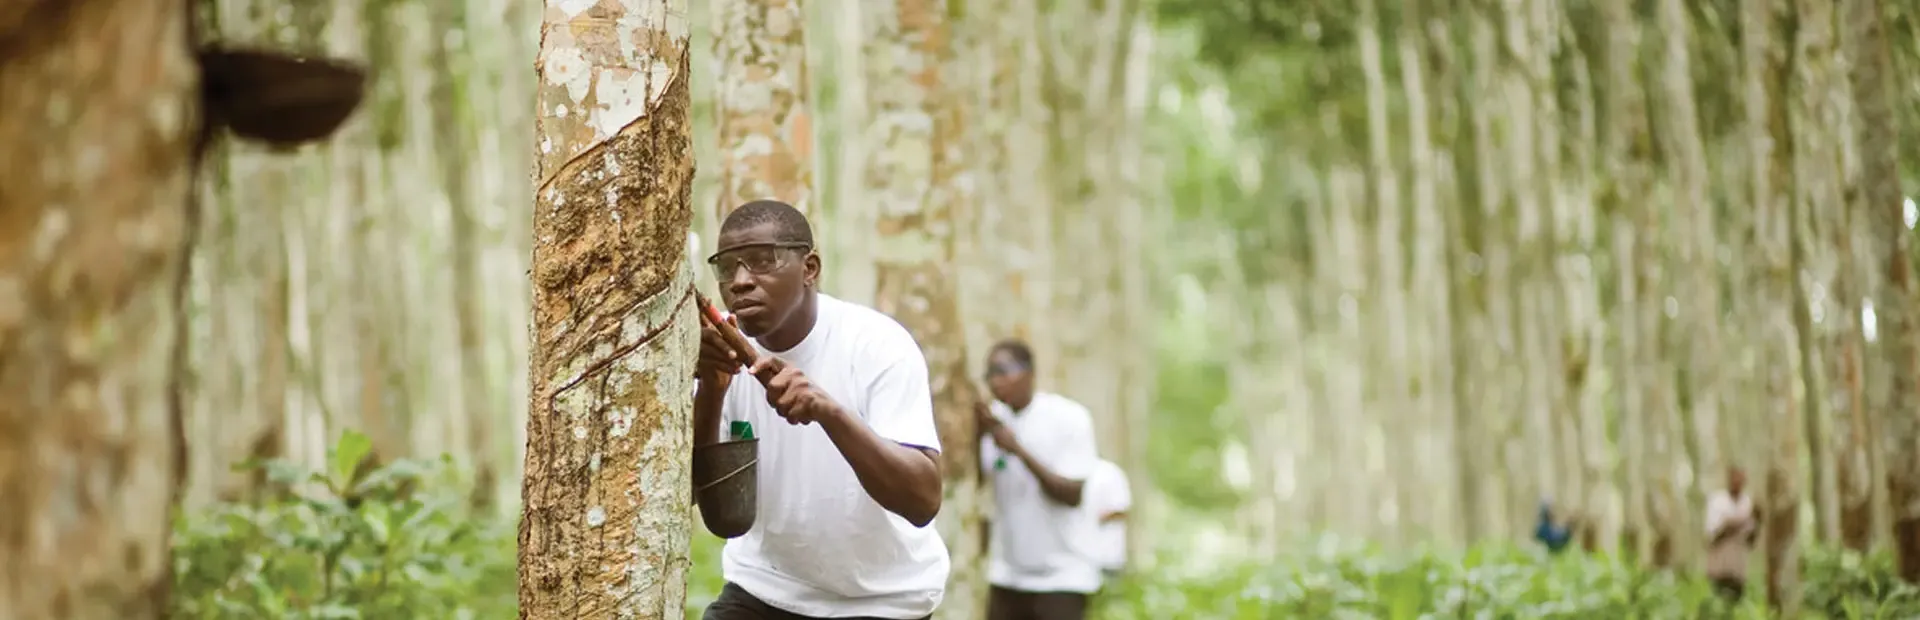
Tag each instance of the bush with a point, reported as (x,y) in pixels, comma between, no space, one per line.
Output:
(348,542)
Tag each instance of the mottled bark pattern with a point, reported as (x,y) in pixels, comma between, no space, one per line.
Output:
(1452,79)
(1880,176)
(1854,453)
(1814,122)
(1768,68)
(1698,245)
(95,132)
(766,132)
(914,152)
(471,429)
(1419,73)
(606,526)
(1383,193)
(1636,239)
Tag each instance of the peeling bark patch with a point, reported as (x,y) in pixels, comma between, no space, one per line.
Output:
(605,530)
(608,64)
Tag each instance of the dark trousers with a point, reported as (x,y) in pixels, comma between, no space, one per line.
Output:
(1010,604)
(1730,589)
(734,603)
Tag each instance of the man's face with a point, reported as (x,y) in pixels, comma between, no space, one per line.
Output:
(1736,480)
(1010,380)
(762,279)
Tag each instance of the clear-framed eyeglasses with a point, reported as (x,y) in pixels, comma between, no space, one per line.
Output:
(758,260)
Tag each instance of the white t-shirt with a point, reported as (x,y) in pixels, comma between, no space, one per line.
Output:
(1106,492)
(820,545)
(1033,546)
(1722,508)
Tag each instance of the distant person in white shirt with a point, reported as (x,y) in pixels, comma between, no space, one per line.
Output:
(1732,526)
(1037,452)
(1104,504)
(849,471)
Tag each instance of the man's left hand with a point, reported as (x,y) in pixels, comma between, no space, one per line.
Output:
(791,394)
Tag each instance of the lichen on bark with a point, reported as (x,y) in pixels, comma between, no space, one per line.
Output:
(96,132)
(605,531)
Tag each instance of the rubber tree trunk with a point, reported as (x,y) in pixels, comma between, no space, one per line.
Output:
(96,129)
(1768,71)
(1894,302)
(914,157)
(606,522)
(1698,259)
(766,132)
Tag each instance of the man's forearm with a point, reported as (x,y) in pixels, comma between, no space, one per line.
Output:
(1056,486)
(706,420)
(902,479)
(706,414)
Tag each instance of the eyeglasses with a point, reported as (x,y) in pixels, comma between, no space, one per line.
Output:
(758,259)
(1010,368)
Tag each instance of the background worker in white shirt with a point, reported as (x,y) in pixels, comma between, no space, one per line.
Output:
(1037,452)
(1104,504)
(1732,526)
(849,470)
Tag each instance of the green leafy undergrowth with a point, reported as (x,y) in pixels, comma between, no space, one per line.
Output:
(1492,583)
(703,579)
(398,541)
(352,541)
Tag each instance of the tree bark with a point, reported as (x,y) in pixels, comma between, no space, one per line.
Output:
(470,423)
(1698,257)
(915,145)
(1858,477)
(1636,241)
(766,131)
(1429,232)
(1464,308)
(1894,302)
(606,526)
(1815,126)
(96,130)
(1383,194)
(238,307)
(1768,41)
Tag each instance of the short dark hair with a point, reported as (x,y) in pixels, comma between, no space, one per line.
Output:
(790,225)
(1019,350)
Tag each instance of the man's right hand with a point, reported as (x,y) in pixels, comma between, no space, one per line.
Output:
(718,363)
(983,417)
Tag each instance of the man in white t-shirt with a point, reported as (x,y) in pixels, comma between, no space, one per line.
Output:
(1104,504)
(1037,452)
(1732,526)
(849,471)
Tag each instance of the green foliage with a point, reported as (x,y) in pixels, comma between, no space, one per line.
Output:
(1844,584)
(352,541)
(1492,582)
(1184,459)
(704,580)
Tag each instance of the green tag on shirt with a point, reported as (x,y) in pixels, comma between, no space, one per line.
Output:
(741,430)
